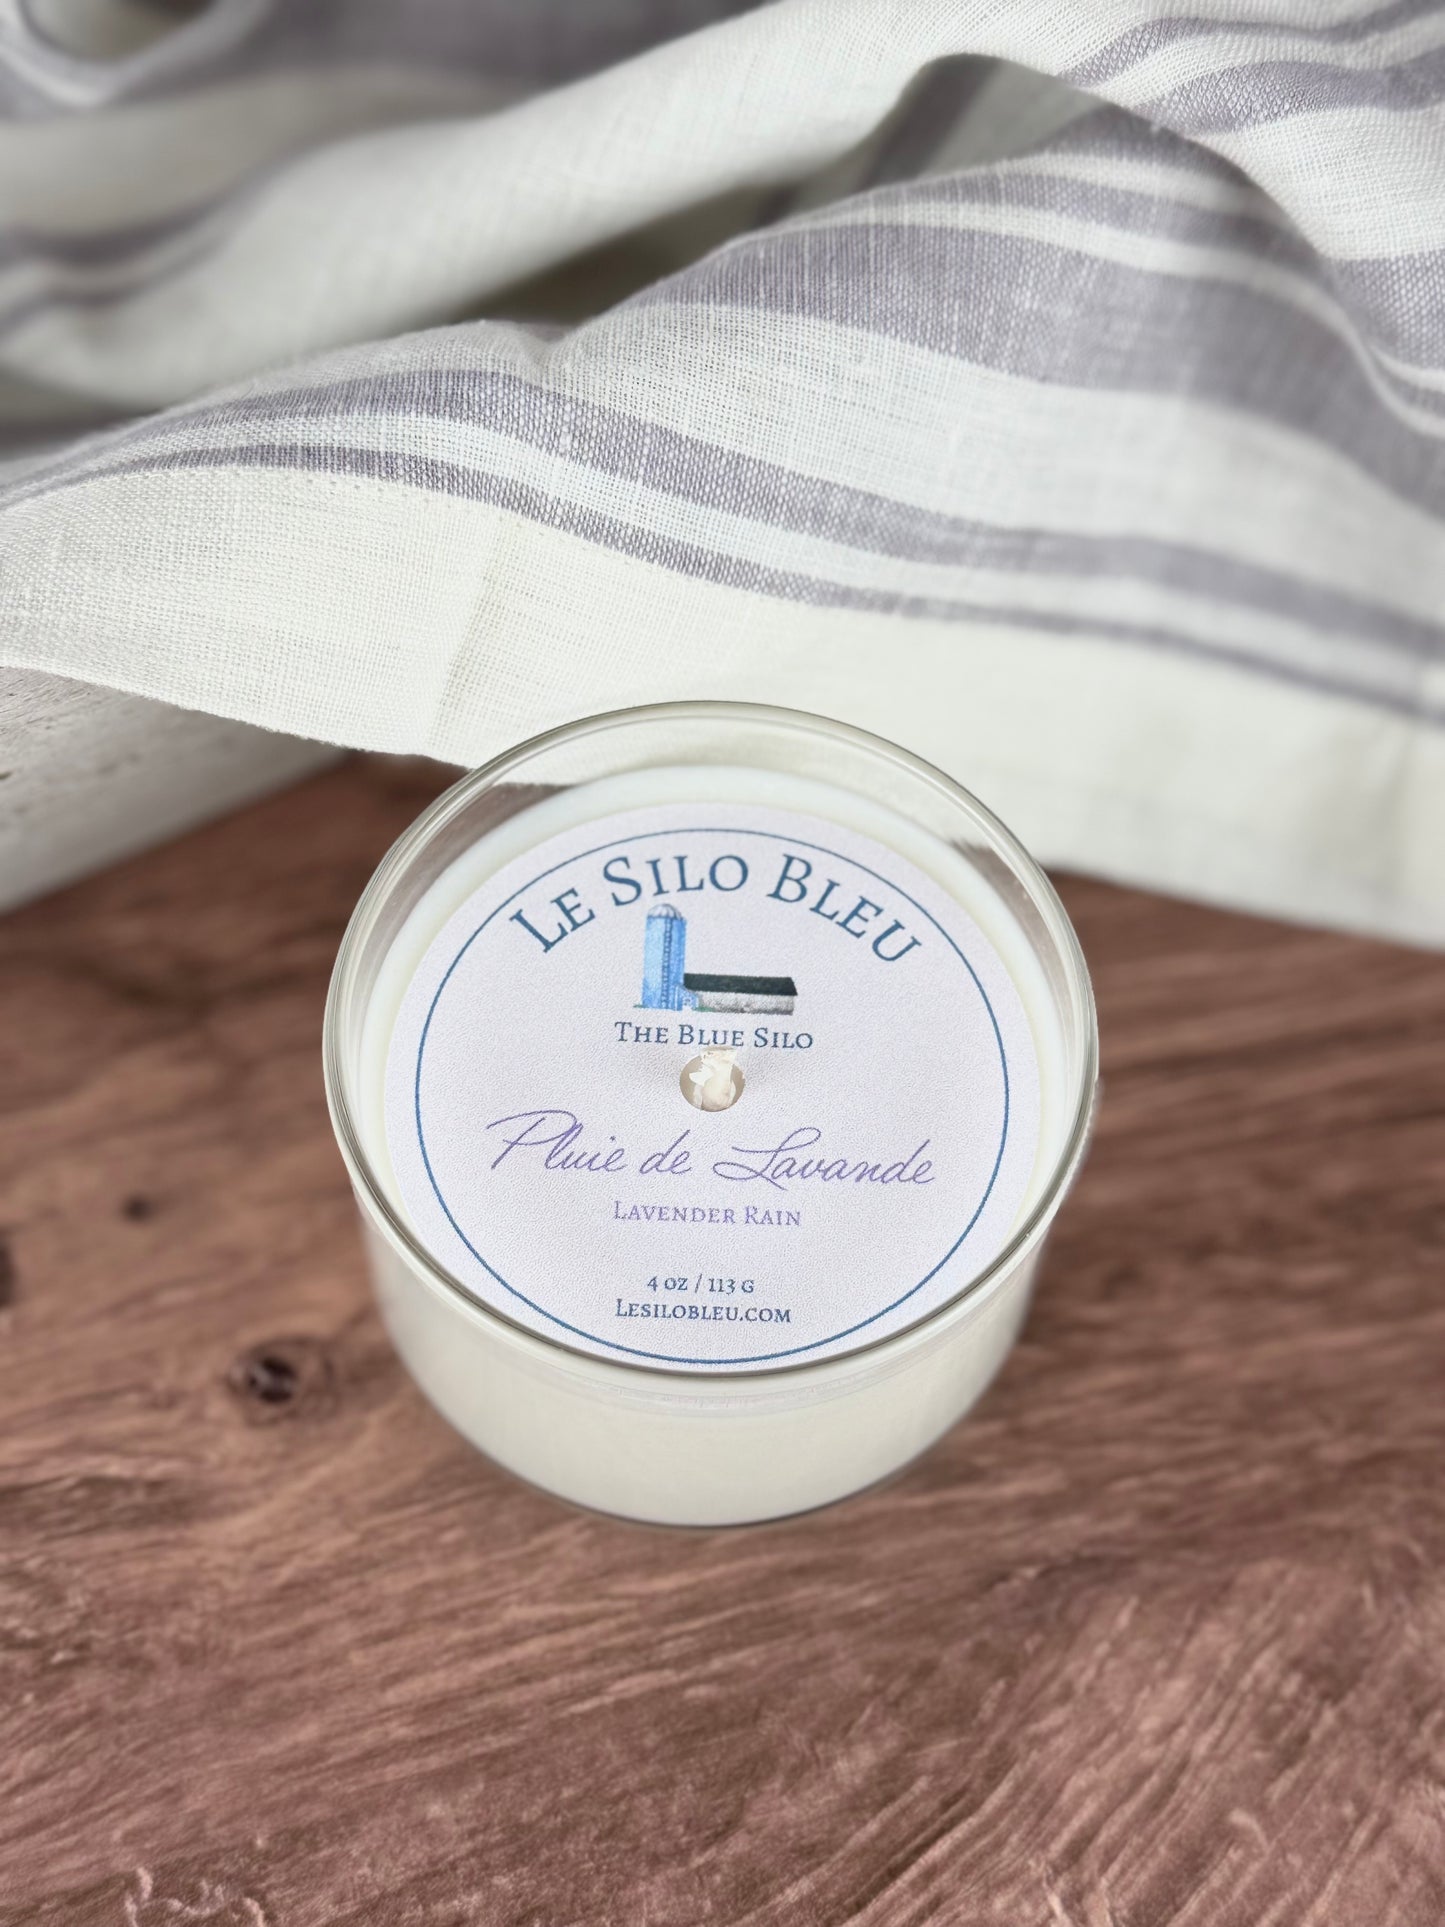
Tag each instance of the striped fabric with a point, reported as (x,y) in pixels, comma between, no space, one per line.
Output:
(1058,389)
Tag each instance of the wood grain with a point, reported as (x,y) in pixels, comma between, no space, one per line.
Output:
(1157,1637)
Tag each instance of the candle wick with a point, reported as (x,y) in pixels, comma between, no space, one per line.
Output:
(712,1080)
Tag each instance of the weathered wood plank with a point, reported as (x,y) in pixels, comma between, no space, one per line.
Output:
(89,775)
(1157,1637)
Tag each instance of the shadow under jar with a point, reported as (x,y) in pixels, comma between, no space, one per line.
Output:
(709,1077)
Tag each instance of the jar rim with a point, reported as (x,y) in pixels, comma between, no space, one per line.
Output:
(415,840)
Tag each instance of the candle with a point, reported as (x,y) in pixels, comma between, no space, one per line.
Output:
(709,1077)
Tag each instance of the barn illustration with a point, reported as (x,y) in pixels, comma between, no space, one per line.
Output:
(668,984)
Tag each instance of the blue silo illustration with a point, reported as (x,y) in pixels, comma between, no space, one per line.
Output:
(663,953)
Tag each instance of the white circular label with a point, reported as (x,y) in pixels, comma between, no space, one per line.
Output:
(875,1160)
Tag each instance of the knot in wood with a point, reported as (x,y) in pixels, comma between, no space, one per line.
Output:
(283,1378)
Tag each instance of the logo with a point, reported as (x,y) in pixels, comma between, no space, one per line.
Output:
(667,983)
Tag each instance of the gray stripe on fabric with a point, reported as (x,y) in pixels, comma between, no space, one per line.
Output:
(1380,292)
(1113,133)
(61,300)
(609,442)
(1256,95)
(1400,298)
(1140,43)
(1403,296)
(209,224)
(1129,210)
(689,559)
(1400,302)
(534,42)
(1210,340)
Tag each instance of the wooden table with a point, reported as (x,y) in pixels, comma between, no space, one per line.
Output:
(1157,1636)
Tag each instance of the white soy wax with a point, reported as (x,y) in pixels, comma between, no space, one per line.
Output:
(704,1312)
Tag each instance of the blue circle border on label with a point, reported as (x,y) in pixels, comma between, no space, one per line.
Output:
(671,1358)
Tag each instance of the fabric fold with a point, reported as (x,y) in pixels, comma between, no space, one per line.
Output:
(1083,434)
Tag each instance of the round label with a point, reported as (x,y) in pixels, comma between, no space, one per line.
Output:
(886,1117)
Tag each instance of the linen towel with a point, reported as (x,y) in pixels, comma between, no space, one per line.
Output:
(1057,389)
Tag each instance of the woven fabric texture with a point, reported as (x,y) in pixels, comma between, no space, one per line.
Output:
(1058,389)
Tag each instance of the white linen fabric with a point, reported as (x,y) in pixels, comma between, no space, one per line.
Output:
(1063,395)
